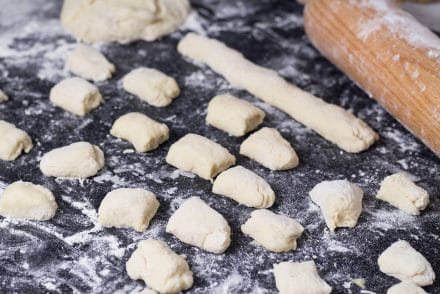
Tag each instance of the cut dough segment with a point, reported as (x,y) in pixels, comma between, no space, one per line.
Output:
(277,233)
(299,278)
(245,187)
(403,262)
(159,267)
(400,191)
(151,85)
(13,141)
(270,149)
(76,95)
(143,132)
(233,115)
(197,154)
(3,97)
(406,287)
(77,160)
(197,224)
(340,202)
(28,201)
(128,207)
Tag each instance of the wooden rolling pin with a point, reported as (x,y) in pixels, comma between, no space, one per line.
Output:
(386,52)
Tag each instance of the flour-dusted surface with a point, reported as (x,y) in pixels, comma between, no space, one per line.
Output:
(70,253)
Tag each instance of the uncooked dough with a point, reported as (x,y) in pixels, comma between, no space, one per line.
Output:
(77,160)
(277,233)
(143,132)
(159,267)
(151,85)
(406,287)
(13,141)
(128,207)
(199,155)
(299,278)
(340,202)
(3,96)
(76,95)
(245,187)
(270,149)
(122,20)
(89,63)
(28,201)
(197,224)
(400,191)
(233,115)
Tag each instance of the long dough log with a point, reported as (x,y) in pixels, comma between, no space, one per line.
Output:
(330,121)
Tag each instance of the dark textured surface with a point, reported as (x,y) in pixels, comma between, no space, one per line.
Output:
(71,254)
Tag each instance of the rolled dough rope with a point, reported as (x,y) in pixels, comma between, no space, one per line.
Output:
(330,121)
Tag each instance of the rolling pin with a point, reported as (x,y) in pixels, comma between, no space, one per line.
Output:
(388,53)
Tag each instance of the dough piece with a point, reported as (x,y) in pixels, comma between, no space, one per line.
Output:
(400,191)
(199,225)
(13,141)
(3,97)
(75,95)
(403,262)
(340,202)
(146,291)
(151,85)
(122,20)
(299,278)
(245,187)
(128,207)
(406,287)
(270,149)
(89,63)
(277,233)
(77,160)
(197,154)
(233,115)
(159,267)
(330,121)
(28,201)
(143,132)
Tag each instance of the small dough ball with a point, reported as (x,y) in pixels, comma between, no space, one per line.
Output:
(299,278)
(400,191)
(340,202)
(245,187)
(77,160)
(199,155)
(28,201)
(143,132)
(403,262)
(3,96)
(197,224)
(277,233)
(233,115)
(270,149)
(89,63)
(406,287)
(76,95)
(151,85)
(128,207)
(159,267)
(13,141)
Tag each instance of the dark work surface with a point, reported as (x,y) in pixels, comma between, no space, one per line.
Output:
(71,254)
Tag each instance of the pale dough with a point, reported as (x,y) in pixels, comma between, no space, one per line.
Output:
(330,121)
(77,160)
(13,141)
(197,224)
(245,187)
(233,115)
(340,202)
(28,201)
(143,132)
(277,233)
(128,207)
(400,191)
(199,155)
(151,85)
(3,96)
(270,149)
(406,287)
(403,262)
(159,267)
(76,95)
